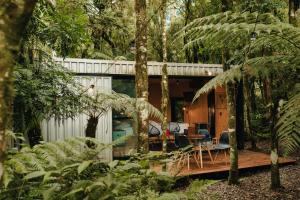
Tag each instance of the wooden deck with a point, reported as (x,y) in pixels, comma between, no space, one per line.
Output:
(247,160)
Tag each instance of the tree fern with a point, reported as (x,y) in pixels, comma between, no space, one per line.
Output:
(233,31)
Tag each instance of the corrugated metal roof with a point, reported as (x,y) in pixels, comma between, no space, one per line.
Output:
(110,67)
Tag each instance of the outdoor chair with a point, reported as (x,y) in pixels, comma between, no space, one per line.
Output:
(154,136)
(187,150)
(174,127)
(205,132)
(222,144)
(203,145)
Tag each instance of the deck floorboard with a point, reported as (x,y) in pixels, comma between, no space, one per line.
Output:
(247,160)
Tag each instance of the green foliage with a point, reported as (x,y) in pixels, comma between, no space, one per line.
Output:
(280,61)
(111,27)
(71,170)
(47,89)
(196,186)
(43,89)
(289,124)
(62,26)
(276,7)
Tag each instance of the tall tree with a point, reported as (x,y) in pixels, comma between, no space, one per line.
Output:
(164,76)
(231,94)
(14,16)
(141,73)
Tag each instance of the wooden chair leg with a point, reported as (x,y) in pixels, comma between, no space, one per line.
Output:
(201,160)
(188,161)
(180,159)
(195,157)
(225,155)
(209,153)
(216,155)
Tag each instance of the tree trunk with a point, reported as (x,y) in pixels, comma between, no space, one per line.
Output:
(164,77)
(272,111)
(248,110)
(141,76)
(293,7)
(231,102)
(195,54)
(233,172)
(14,16)
(275,176)
(240,116)
(226,5)
(91,127)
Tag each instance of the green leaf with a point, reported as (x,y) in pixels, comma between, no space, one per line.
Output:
(51,192)
(84,165)
(73,192)
(96,184)
(113,164)
(34,174)
(48,176)
(7,178)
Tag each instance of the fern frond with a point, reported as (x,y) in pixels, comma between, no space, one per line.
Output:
(101,101)
(288,125)
(233,30)
(264,66)
(232,75)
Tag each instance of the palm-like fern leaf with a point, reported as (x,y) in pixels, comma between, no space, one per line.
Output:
(232,30)
(102,101)
(234,74)
(288,126)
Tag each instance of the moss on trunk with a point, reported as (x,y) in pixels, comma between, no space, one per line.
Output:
(272,112)
(141,74)
(164,77)
(231,98)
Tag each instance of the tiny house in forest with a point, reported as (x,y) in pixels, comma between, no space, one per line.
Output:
(184,80)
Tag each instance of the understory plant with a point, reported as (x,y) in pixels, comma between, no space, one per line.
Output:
(72,170)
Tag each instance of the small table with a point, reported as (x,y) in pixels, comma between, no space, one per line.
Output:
(198,139)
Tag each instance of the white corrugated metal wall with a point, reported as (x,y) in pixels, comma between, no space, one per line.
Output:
(53,130)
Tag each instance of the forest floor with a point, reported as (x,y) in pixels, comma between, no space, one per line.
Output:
(257,185)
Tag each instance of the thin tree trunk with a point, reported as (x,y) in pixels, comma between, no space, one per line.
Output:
(292,12)
(293,7)
(164,77)
(141,77)
(240,115)
(14,16)
(275,176)
(231,102)
(91,127)
(226,5)
(233,172)
(248,110)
